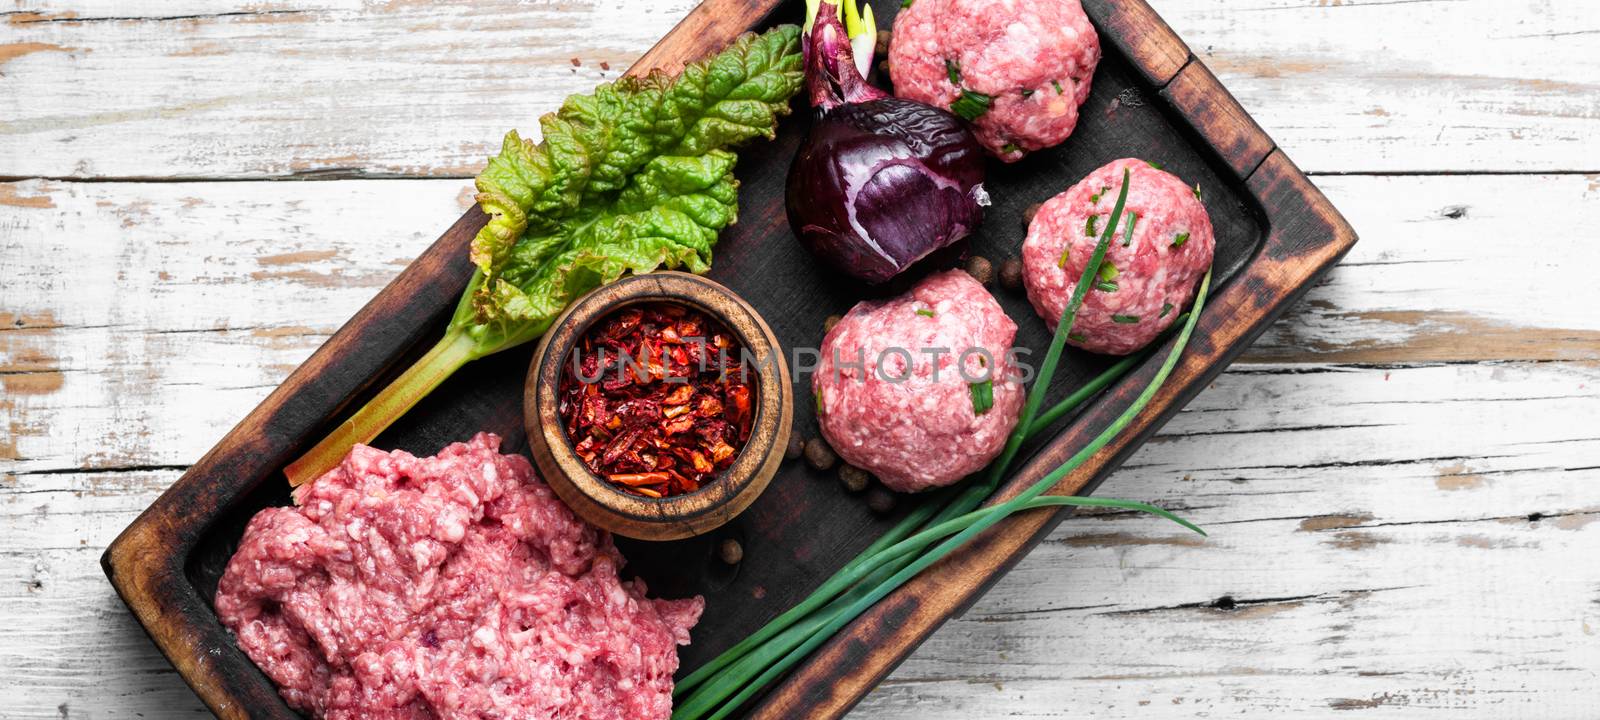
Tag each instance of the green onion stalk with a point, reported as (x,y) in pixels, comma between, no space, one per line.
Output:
(753,663)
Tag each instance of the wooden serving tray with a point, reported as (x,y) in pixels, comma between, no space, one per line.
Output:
(1152,98)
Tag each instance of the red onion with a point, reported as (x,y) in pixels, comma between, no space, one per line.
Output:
(880,182)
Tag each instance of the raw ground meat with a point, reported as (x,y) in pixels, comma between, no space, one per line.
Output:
(1033,58)
(1154,279)
(453,586)
(923,432)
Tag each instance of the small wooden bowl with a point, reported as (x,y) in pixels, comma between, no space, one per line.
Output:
(597,500)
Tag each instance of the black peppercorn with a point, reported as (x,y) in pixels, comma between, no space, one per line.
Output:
(980,269)
(818,455)
(853,478)
(730,551)
(1011,274)
(795,449)
(880,500)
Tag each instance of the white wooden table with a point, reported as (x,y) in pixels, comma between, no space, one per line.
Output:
(1401,479)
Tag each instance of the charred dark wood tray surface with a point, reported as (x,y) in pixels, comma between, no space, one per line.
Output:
(1151,99)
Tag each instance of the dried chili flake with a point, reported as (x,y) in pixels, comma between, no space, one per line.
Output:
(656,399)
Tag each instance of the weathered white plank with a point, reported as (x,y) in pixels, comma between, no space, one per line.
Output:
(1453,269)
(141,314)
(1382,540)
(312,88)
(1410,85)
(298,88)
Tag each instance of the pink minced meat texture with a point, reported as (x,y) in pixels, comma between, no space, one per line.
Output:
(1033,58)
(923,432)
(1155,274)
(453,586)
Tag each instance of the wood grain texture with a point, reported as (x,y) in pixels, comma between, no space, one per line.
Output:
(1398,429)
(243,81)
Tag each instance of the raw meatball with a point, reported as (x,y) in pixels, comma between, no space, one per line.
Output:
(1033,59)
(1154,275)
(926,430)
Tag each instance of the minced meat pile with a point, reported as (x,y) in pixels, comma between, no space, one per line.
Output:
(453,586)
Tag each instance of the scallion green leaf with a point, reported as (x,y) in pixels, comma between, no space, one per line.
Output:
(982,396)
(1104,286)
(924,312)
(1009,148)
(1088,227)
(1178,241)
(1027,93)
(1109,271)
(1057,84)
(1197,192)
(1125,319)
(1153,164)
(971,105)
(1075,337)
(1127,237)
(952,69)
(1164,310)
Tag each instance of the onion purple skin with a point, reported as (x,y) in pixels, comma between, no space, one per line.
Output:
(908,175)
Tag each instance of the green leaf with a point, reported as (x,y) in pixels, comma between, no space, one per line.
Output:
(1026,93)
(1178,241)
(924,312)
(1197,192)
(952,69)
(633,177)
(1125,319)
(1108,271)
(982,396)
(1153,164)
(1088,227)
(1075,337)
(1106,286)
(1165,308)
(1127,237)
(1057,84)
(971,105)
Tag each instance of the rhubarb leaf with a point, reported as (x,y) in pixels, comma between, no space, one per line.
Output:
(633,177)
